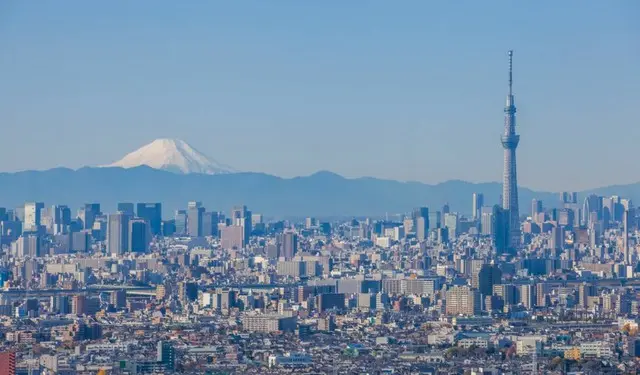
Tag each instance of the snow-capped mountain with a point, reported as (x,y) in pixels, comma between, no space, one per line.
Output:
(172,155)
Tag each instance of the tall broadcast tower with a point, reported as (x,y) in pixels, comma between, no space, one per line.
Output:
(509,179)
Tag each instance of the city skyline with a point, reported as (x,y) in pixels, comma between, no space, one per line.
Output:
(301,187)
(376,81)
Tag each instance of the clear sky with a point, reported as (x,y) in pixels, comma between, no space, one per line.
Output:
(408,90)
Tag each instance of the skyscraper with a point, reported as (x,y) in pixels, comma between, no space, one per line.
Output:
(232,237)
(194,219)
(210,224)
(509,178)
(32,216)
(420,218)
(152,213)
(166,355)
(242,217)
(422,228)
(181,222)
(61,217)
(478,202)
(435,219)
(488,276)
(452,223)
(88,214)
(289,245)
(556,240)
(592,203)
(139,235)
(500,229)
(536,208)
(568,197)
(126,208)
(118,233)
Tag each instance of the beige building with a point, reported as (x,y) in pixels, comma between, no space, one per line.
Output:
(462,300)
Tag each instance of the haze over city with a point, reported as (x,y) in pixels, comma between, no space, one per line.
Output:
(409,91)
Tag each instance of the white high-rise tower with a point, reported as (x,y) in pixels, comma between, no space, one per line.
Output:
(509,177)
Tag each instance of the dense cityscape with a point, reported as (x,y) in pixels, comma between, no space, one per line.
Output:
(139,287)
(430,292)
(132,289)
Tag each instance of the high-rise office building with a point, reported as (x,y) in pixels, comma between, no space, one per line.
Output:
(28,245)
(422,228)
(81,241)
(32,215)
(139,235)
(592,204)
(79,304)
(536,207)
(242,217)
(118,298)
(232,237)
(435,220)
(152,213)
(89,213)
(586,290)
(568,197)
(477,203)
(420,220)
(500,229)
(166,355)
(289,245)
(127,208)
(118,233)
(451,222)
(566,217)
(510,142)
(608,210)
(257,219)
(187,292)
(446,209)
(527,295)
(180,219)
(61,219)
(210,224)
(486,222)
(194,219)
(488,276)
(556,241)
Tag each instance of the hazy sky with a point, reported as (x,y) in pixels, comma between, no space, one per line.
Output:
(409,90)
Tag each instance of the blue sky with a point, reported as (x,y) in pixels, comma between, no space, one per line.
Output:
(409,90)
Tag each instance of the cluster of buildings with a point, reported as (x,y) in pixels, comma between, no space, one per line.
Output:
(130,290)
(430,291)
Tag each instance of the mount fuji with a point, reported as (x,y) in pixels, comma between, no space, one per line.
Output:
(172,155)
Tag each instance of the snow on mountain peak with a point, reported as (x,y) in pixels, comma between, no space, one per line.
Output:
(172,155)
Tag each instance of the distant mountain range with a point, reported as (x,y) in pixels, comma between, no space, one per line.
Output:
(172,172)
(323,194)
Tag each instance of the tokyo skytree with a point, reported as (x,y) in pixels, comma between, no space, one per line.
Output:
(509,177)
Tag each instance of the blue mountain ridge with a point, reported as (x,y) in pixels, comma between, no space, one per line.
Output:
(322,194)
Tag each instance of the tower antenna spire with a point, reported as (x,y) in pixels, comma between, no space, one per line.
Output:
(510,71)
